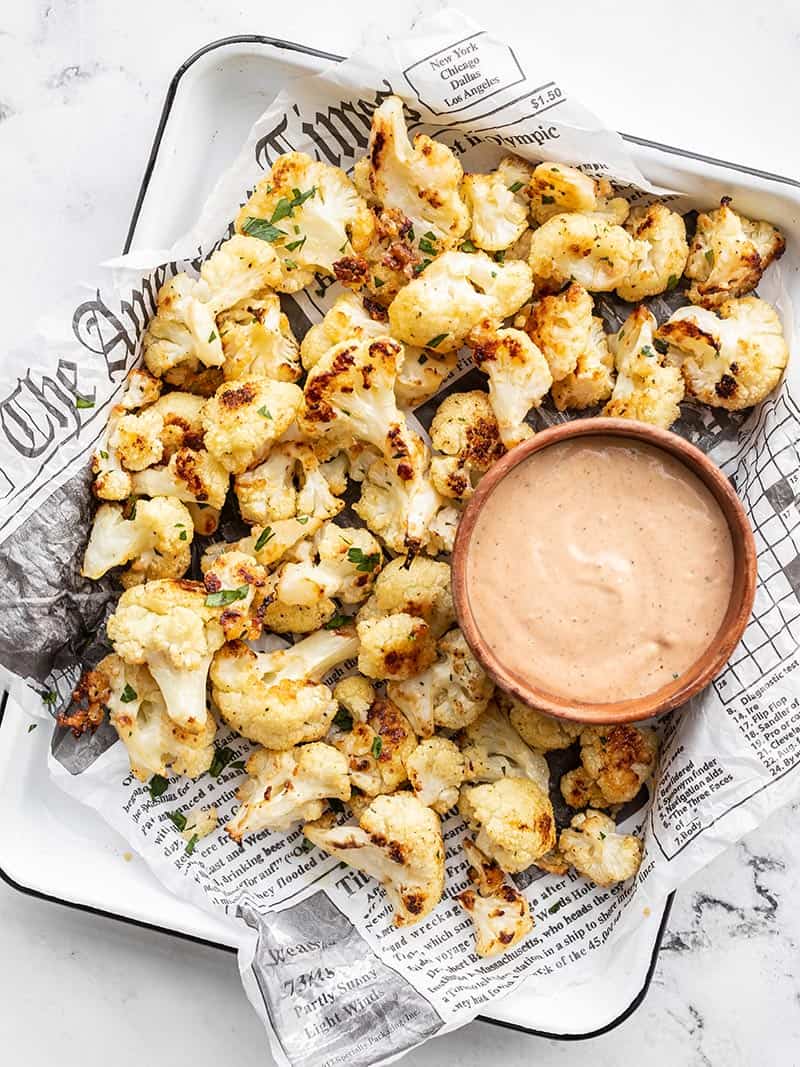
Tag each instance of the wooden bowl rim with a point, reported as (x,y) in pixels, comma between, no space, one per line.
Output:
(706,667)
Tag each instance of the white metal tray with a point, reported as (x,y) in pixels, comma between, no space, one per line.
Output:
(54,848)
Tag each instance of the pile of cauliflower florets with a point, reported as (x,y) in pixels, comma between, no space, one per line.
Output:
(227,399)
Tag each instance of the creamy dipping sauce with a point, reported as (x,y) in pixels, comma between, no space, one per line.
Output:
(600,569)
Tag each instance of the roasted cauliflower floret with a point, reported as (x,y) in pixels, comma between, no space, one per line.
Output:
(399,843)
(241,267)
(287,787)
(731,358)
(513,819)
(647,388)
(499,213)
(347,320)
(620,759)
(290,482)
(192,476)
(422,374)
(199,822)
(311,215)
(111,482)
(592,252)
(556,188)
(580,790)
(500,913)
(540,731)
(560,326)
(728,255)
(436,772)
(137,711)
(277,698)
(272,543)
(157,536)
(592,381)
(420,180)
(595,849)
(182,422)
(519,378)
(244,419)
(258,342)
(236,583)
(451,693)
(493,750)
(356,695)
(182,335)
(465,430)
(377,748)
(169,626)
(416,586)
(137,439)
(398,500)
(661,251)
(346,565)
(395,646)
(456,292)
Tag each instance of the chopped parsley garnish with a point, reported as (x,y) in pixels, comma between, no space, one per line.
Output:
(646,350)
(237,765)
(158,786)
(263,230)
(336,621)
(178,819)
(306,845)
(129,694)
(673,281)
(602,836)
(129,508)
(50,697)
(290,264)
(364,563)
(32,727)
(377,747)
(226,596)
(103,454)
(343,720)
(499,257)
(710,256)
(548,200)
(411,233)
(222,757)
(555,907)
(83,402)
(378,282)
(285,207)
(303,519)
(295,245)
(267,414)
(420,267)
(660,346)
(434,341)
(264,537)
(515,188)
(182,536)
(191,843)
(427,246)
(212,337)
(469,246)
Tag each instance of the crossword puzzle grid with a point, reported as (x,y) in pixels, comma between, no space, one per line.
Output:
(768,481)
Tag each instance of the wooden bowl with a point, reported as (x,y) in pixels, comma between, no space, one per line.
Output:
(706,668)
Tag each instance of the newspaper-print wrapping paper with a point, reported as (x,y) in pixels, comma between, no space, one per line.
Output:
(332,979)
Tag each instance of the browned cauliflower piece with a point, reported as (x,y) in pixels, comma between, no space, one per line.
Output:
(257,341)
(648,387)
(493,750)
(465,431)
(556,188)
(436,772)
(728,255)
(514,820)
(290,482)
(499,208)
(661,251)
(377,748)
(500,913)
(155,534)
(244,419)
(560,326)
(732,357)
(519,378)
(238,583)
(395,646)
(415,586)
(619,758)
(592,381)
(595,849)
(287,787)
(311,215)
(399,843)
(585,248)
(192,476)
(540,731)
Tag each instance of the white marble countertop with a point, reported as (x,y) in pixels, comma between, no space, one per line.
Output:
(81,86)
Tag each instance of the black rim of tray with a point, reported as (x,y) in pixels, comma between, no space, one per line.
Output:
(289,46)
